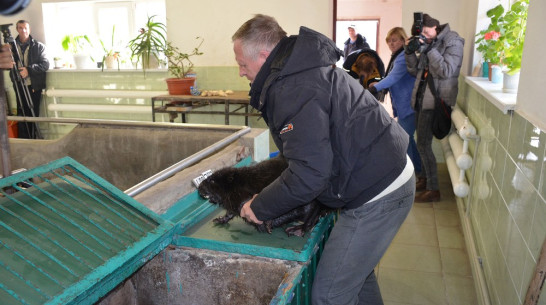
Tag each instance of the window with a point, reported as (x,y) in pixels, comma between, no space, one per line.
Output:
(528,101)
(97,19)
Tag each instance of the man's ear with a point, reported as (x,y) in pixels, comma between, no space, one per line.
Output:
(263,55)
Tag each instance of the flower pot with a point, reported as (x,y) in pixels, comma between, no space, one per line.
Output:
(510,83)
(485,69)
(80,61)
(149,62)
(180,86)
(110,62)
(496,74)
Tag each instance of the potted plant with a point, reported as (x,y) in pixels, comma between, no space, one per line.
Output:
(489,44)
(179,66)
(110,56)
(512,38)
(57,61)
(77,45)
(149,44)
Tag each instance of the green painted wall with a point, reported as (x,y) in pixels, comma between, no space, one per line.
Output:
(509,220)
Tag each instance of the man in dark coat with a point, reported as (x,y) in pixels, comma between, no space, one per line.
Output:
(342,149)
(354,43)
(32,78)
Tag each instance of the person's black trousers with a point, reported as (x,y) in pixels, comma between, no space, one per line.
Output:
(27,130)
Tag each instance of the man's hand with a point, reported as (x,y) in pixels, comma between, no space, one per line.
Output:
(246,212)
(6,61)
(24,72)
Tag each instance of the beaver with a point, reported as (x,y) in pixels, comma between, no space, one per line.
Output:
(231,187)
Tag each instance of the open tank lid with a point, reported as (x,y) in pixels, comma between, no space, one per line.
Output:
(65,232)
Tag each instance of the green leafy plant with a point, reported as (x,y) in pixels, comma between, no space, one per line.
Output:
(513,35)
(179,63)
(111,51)
(151,41)
(76,43)
(488,40)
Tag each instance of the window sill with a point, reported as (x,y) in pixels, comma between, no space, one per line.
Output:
(106,70)
(493,92)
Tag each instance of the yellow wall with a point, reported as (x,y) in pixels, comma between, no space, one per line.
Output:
(216,21)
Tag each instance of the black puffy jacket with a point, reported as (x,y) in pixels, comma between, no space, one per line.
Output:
(360,43)
(341,145)
(37,66)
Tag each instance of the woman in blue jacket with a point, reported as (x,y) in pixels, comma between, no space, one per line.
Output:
(399,82)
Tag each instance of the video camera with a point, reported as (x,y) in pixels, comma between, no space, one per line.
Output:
(6,33)
(416,33)
(11,7)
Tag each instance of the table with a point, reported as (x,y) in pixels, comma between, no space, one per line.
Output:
(184,104)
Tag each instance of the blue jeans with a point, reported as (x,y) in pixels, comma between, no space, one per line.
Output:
(408,124)
(357,242)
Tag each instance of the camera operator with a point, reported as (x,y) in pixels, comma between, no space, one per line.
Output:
(434,51)
(33,72)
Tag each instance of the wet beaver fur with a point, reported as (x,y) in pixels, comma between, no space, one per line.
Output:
(231,187)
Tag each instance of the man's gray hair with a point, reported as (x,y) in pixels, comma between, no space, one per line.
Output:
(259,33)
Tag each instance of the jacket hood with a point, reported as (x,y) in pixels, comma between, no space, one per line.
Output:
(311,50)
(447,34)
(293,54)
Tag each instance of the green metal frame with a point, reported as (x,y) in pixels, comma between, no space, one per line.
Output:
(45,216)
(171,227)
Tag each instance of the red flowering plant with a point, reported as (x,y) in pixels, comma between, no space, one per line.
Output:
(489,40)
(491,35)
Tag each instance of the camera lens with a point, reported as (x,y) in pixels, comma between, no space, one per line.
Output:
(11,7)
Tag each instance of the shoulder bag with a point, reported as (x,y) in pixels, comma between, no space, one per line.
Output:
(441,123)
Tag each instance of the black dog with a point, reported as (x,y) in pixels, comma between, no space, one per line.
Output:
(231,187)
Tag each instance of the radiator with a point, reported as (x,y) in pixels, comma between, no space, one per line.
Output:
(58,94)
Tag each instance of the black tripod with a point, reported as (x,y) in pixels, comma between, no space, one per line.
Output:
(24,96)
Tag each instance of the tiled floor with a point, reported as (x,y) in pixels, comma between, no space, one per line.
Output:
(427,262)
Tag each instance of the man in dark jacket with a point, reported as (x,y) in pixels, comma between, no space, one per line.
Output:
(354,43)
(32,78)
(342,148)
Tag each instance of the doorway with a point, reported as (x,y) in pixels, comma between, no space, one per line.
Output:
(368,28)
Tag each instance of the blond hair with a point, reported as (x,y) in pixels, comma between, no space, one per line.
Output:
(396,31)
